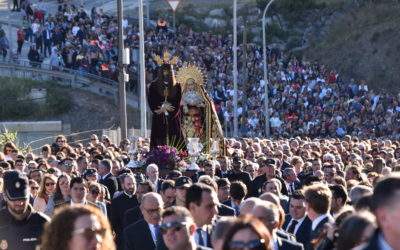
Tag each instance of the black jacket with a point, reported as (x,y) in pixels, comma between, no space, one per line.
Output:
(373,243)
(21,234)
(258,182)
(240,176)
(138,237)
(111,183)
(303,233)
(319,229)
(224,210)
(284,244)
(119,205)
(132,216)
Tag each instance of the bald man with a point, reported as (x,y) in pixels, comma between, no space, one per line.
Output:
(145,234)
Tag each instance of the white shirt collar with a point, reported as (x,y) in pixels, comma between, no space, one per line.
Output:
(299,221)
(318,220)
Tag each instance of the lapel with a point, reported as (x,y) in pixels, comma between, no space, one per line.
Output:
(279,242)
(315,233)
(373,243)
(304,229)
(147,238)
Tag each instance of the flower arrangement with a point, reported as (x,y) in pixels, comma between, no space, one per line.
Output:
(163,156)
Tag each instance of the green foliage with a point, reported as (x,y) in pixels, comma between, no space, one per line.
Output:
(8,136)
(15,103)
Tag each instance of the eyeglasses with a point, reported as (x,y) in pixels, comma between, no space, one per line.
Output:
(89,233)
(250,245)
(176,226)
(153,211)
(48,184)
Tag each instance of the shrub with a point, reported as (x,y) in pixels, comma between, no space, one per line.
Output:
(15,103)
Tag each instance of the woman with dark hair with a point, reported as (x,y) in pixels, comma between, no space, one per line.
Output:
(61,194)
(355,230)
(46,151)
(47,187)
(78,228)
(8,149)
(247,232)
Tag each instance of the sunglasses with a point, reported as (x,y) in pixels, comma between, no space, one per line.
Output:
(48,184)
(89,233)
(175,226)
(35,188)
(250,245)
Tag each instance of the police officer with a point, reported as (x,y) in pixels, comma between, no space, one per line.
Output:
(20,225)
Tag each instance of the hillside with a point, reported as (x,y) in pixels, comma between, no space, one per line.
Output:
(362,42)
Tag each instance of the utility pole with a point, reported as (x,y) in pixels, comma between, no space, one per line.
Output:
(148,13)
(10,42)
(235,87)
(143,116)
(267,129)
(121,76)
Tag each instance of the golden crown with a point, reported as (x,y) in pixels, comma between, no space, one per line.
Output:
(190,71)
(167,58)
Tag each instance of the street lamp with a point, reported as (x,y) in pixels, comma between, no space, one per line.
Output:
(267,130)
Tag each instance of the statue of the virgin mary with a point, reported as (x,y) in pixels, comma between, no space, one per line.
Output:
(198,116)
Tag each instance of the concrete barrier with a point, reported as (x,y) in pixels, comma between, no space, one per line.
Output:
(37,126)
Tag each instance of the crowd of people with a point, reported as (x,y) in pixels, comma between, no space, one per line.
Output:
(263,194)
(304,98)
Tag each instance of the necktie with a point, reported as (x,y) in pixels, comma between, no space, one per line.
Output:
(292,226)
(157,233)
(200,235)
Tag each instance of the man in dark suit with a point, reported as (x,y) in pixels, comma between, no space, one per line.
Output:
(268,168)
(386,207)
(268,213)
(291,180)
(297,222)
(202,202)
(178,229)
(133,215)
(224,210)
(237,193)
(106,178)
(237,174)
(318,199)
(146,234)
(121,203)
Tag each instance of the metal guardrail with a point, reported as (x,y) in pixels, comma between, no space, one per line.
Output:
(22,68)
